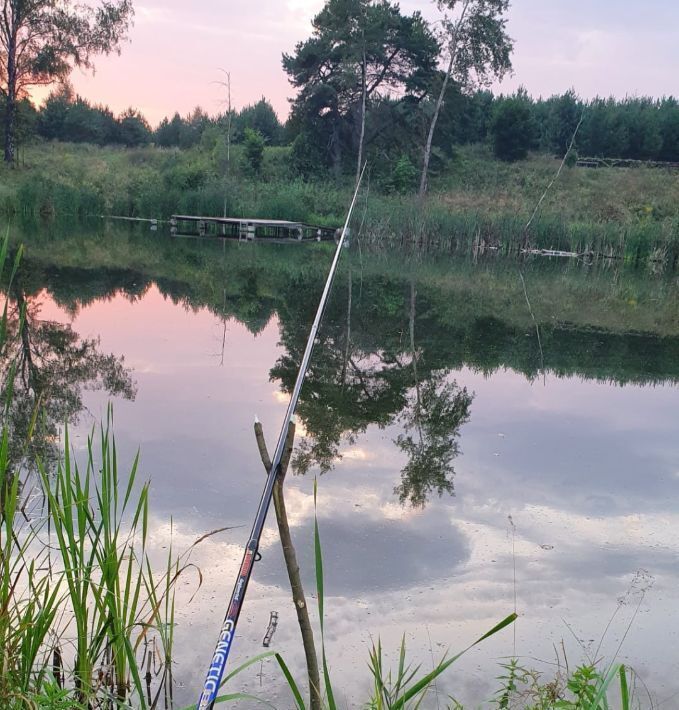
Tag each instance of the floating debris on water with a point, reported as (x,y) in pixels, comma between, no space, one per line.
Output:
(271,629)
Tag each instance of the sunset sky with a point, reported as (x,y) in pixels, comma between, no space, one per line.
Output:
(176,48)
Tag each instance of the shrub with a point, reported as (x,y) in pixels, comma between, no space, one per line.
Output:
(254,150)
(404,175)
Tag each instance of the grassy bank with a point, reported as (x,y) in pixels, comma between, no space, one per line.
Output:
(477,201)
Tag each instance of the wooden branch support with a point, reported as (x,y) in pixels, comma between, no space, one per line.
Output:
(291,561)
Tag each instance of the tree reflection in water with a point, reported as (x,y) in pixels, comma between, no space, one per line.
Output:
(431,421)
(52,365)
(364,370)
(434,414)
(350,386)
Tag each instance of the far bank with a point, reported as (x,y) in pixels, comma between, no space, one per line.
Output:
(477,201)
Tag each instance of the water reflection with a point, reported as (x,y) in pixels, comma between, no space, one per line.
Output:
(353,384)
(51,366)
(587,465)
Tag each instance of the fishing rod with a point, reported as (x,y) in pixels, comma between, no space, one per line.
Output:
(215,672)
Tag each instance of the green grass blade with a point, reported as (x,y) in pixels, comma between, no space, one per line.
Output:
(498,627)
(600,697)
(247,664)
(291,682)
(400,678)
(427,679)
(318,554)
(624,689)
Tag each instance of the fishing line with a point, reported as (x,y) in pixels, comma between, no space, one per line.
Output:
(227,632)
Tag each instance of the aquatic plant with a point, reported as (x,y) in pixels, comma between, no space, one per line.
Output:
(477,202)
(73,562)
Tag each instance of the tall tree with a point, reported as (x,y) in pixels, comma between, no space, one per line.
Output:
(41,40)
(359,50)
(133,129)
(566,112)
(478,50)
(511,129)
(262,118)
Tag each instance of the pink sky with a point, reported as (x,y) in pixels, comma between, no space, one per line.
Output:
(176,48)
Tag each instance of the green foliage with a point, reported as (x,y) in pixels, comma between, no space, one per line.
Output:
(94,584)
(253,150)
(586,688)
(52,121)
(511,129)
(396,692)
(91,586)
(353,40)
(571,158)
(260,118)
(26,124)
(221,155)
(431,419)
(169,133)
(307,157)
(67,117)
(199,129)
(599,210)
(476,50)
(61,36)
(565,112)
(133,130)
(404,175)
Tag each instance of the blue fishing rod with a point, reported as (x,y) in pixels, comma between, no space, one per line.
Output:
(227,632)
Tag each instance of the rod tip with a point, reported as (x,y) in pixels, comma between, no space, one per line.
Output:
(256,419)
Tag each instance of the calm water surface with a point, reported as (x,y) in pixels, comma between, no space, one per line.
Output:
(464,466)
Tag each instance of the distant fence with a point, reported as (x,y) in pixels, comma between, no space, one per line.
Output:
(624,163)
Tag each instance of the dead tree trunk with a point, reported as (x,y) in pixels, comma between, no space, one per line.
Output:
(291,564)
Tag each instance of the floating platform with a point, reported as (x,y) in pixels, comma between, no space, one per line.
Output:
(244,229)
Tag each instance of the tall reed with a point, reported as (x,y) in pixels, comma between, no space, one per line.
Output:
(77,590)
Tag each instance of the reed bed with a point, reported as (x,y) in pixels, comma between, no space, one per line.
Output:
(476,201)
(79,602)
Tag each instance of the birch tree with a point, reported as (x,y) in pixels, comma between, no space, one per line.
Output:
(477,48)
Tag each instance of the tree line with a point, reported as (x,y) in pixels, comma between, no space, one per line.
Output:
(639,128)
(371,82)
(360,53)
(68,117)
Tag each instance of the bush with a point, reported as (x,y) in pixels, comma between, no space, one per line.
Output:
(571,158)
(404,175)
(253,146)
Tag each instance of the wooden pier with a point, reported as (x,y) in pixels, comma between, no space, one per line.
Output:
(242,229)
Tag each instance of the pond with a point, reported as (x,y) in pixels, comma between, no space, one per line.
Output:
(487,434)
